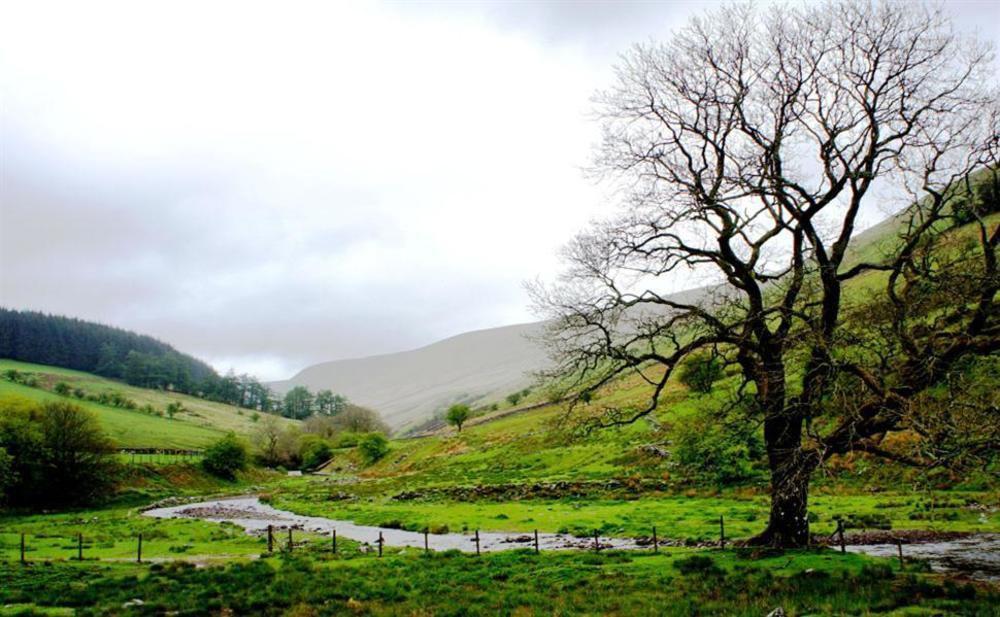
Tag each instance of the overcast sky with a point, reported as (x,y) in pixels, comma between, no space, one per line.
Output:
(269,185)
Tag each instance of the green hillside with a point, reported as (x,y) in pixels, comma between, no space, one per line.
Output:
(197,424)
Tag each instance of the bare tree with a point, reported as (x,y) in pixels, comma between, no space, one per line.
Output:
(745,149)
(267,439)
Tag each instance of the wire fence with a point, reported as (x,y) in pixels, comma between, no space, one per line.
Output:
(286,542)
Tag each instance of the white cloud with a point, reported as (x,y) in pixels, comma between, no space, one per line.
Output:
(267,185)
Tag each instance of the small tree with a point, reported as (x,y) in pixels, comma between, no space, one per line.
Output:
(373,447)
(267,437)
(457,415)
(225,457)
(77,457)
(357,419)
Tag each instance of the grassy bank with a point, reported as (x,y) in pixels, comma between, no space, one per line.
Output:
(693,517)
(674,582)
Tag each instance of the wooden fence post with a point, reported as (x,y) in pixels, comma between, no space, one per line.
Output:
(334,536)
(722,532)
(270,538)
(477,542)
(22,548)
(656,545)
(597,543)
(380,543)
(899,547)
(291,545)
(536,541)
(427,546)
(840,533)
(138,553)
(79,546)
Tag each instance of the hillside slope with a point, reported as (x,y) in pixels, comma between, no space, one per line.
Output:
(410,386)
(198,424)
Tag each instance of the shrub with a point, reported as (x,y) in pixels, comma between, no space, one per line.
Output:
(373,447)
(173,408)
(700,371)
(225,457)
(314,451)
(709,449)
(698,565)
(62,388)
(347,440)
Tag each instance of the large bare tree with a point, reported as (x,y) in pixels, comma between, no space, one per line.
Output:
(745,150)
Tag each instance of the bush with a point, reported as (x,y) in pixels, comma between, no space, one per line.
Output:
(62,388)
(698,565)
(314,451)
(373,447)
(700,371)
(225,457)
(347,440)
(714,450)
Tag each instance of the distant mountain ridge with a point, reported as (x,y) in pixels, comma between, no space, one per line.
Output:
(476,367)
(408,387)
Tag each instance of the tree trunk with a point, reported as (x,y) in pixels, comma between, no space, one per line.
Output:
(788,526)
(791,466)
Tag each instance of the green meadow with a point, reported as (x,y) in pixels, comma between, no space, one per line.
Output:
(198,424)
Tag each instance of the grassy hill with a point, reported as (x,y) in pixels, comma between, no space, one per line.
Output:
(199,423)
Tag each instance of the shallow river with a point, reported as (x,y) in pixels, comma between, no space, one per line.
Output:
(254,516)
(977,556)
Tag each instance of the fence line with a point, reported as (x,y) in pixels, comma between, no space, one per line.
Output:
(380,542)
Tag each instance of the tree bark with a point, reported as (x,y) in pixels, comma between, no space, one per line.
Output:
(791,468)
(788,525)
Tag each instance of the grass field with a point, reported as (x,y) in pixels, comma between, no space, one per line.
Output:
(199,424)
(689,519)
(673,582)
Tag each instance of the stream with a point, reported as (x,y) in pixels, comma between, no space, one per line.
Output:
(976,556)
(254,516)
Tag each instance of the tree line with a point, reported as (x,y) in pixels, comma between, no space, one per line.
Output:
(143,361)
(32,336)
